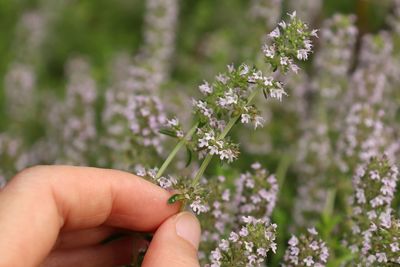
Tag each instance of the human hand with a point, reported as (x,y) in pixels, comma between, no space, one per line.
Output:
(59,216)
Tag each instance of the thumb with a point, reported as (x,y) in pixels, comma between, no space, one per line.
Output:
(175,243)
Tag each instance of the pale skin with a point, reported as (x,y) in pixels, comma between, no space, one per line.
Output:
(61,216)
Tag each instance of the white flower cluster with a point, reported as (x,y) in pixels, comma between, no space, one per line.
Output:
(78,132)
(382,246)
(225,149)
(307,250)
(160,24)
(133,120)
(372,82)
(164,182)
(228,98)
(218,221)
(364,135)
(32,29)
(373,226)
(146,117)
(133,98)
(198,203)
(283,51)
(221,208)
(256,193)
(247,247)
(374,190)
(198,206)
(176,127)
(333,59)
(313,159)
(253,196)
(19,87)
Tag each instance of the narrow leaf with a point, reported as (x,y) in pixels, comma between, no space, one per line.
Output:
(175,198)
(168,132)
(189,157)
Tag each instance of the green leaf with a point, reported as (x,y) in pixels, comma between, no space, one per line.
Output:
(175,198)
(168,132)
(265,93)
(189,155)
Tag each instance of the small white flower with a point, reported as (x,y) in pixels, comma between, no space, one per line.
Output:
(244,232)
(282,24)
(256,166)
(231,68)
(245,118)
(269,51)
(224,245)
(302,54)
(312,231)
(292,15)
(226,195)
(252,259)
(248,219)
(234,237)
(275,33)
(173,122)
(284,61)
(216,255)
(244,70)
(273,247)
(314,33)
(198,207)
(394,247)
(293,241)
(227,154)
(374,175)
(140,171)
(213,149)
(262,252)
(314,245)
(385,219)
(277,93)
(309,261)
(258,122)
(222,78)
(203,142)
(381,257)
(249,246)
(268,81)
(205,88)
(294,67)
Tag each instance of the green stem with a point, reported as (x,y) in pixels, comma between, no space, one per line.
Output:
(173,153)
(283,166)
(227,129)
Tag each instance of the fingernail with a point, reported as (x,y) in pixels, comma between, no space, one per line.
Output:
(188,227)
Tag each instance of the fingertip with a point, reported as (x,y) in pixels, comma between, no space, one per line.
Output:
(175,243)
(188,227)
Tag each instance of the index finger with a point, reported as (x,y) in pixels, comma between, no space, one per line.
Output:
(41,200)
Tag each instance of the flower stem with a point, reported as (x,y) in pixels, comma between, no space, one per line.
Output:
(173,153)
(227,129)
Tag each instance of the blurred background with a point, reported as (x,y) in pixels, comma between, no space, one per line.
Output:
(100,30)
(46,34)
